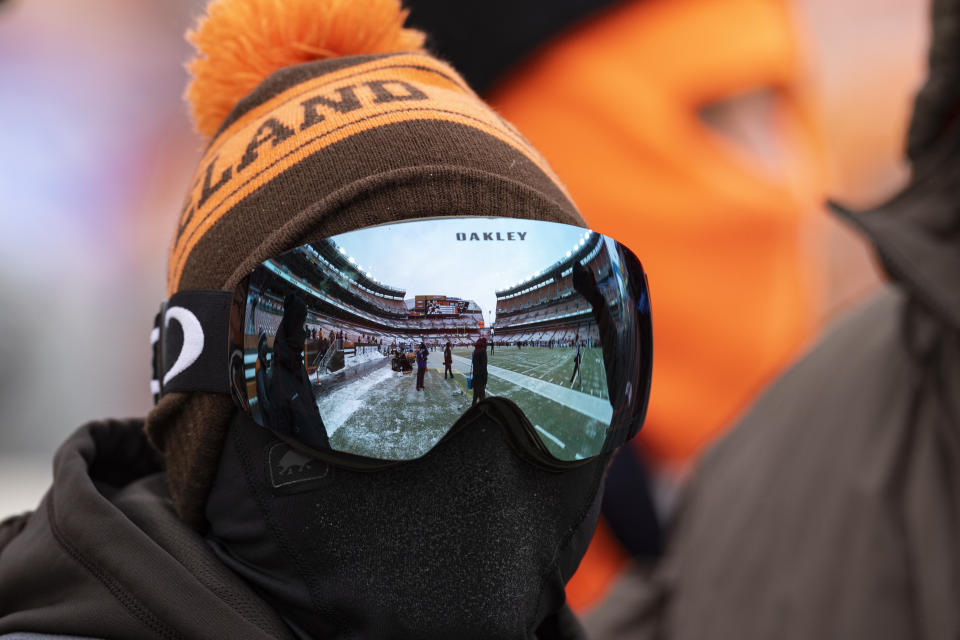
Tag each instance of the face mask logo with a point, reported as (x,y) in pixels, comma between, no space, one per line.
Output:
(192,340)
(289,467)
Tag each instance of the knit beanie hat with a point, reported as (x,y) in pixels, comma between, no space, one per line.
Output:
(323,116)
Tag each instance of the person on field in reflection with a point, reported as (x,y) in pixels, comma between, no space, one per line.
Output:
(292,406)
(576,365)
(447,361)
(480,370)
(421,365)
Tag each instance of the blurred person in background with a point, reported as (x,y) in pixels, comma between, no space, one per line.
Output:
(685,127)
(832,510)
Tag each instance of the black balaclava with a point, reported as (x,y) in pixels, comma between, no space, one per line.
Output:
(473,540)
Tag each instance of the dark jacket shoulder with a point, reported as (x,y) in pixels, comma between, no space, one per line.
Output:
(105,555)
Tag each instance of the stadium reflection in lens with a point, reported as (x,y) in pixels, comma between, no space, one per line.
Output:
(376,341)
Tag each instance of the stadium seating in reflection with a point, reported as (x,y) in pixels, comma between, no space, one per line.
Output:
(546,309)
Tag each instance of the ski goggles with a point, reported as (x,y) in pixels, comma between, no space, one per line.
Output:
(372,346)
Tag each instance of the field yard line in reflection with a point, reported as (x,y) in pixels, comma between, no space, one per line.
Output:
(383,415)
(592,407)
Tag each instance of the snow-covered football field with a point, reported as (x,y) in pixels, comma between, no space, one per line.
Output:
(381,414)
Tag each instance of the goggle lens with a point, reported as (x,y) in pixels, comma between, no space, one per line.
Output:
(375,342)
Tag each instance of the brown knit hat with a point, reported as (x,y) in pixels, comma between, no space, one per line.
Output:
(321,123)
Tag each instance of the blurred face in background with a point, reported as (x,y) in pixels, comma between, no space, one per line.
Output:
(681,127)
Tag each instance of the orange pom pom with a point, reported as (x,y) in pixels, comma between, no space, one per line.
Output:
(240,42)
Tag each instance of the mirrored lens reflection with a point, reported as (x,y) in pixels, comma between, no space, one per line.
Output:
(376,341)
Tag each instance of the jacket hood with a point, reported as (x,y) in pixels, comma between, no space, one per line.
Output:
(105,556)
(916,234)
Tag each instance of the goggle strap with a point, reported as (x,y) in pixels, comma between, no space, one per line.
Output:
(155,355)
(198,362)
